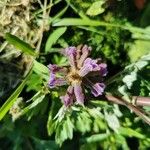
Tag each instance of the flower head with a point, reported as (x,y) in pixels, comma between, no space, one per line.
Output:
(82,72)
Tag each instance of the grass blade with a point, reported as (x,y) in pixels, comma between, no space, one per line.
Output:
(9,102)
(20,44)
(54,37)
(89,22)
(76,22)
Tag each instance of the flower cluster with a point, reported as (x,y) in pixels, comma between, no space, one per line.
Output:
(83,73)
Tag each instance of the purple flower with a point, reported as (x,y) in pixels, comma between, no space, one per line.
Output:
(89,65)
(98,89)
(54,81)
(54,68)
(82,72)
(70,52)
(68,98)
(103,69)
(79,93)
(85,52)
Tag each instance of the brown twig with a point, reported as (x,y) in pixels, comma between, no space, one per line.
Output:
(141,101)
(138,100)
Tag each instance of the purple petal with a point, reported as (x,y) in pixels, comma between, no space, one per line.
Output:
(88,66)
(57,69)
(98,89)
(103,69)
(79,93)
(68,98)
(54,68)
(71,53)
(54,81)
(85,52)
(79,51)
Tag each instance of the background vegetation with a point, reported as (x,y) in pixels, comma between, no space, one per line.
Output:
(32,115)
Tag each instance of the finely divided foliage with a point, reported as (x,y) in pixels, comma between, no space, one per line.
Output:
(89,97)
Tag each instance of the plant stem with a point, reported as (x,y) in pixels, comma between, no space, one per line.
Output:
(138,100)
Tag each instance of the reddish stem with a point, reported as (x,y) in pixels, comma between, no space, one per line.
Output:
(138,100)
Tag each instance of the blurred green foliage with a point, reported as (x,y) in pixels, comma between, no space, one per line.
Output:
(33,117)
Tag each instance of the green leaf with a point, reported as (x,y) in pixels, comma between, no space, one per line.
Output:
(61,133)
(93,29)
(129,79)
(62,61)
(9,102)
(40,68)
(83,122)
(76,22)
(50,125)
(20,44)
(35,82)
(140,36)
(69,128)
(64,130)
(45,144)
(146,57)
(112,121)
(138,49)
(121,141)
(96,137)
(51,121)
(141,64)
(89,22)
(96,8)
(36,101)
(52,39)
(130,133)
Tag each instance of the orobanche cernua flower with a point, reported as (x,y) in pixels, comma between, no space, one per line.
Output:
(83,73)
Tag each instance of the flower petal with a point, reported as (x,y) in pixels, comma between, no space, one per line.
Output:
(68,98)
(88,66)
(98,89)
(85,52)
(54,68)
(103,69)
(79,47)
(70,51)
(54,81)
(57,69)
(79,95)
(71,54)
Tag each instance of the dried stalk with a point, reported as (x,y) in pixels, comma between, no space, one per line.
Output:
(138,100)
(142,101)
